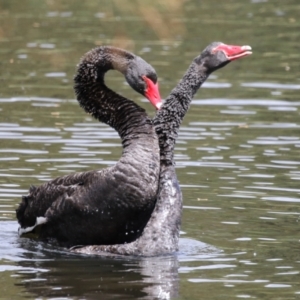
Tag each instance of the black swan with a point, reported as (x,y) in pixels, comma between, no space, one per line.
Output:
(112,205)
(161,233)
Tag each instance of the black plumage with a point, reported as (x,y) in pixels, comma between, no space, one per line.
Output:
(161,234)
(111,205)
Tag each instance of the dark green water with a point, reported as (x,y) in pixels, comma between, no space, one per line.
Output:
(237,155)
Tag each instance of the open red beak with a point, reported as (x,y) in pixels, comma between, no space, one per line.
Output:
(233,52)
(152,93)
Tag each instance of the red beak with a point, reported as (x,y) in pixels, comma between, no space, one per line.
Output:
(233,52)
(152,93)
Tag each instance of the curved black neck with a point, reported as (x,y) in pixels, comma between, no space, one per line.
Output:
(101,102)
(168,119)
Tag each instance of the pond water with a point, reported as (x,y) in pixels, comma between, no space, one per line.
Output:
(237,155)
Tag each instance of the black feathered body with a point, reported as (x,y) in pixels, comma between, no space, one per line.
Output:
(106,206)
(161,234)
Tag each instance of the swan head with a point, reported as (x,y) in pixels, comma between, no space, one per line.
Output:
(143,79)
(218,54)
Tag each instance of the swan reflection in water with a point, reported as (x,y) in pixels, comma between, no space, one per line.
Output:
(50,272)
(38,269)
